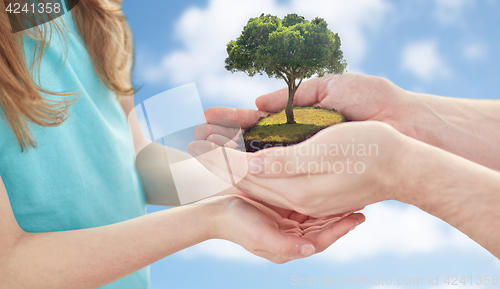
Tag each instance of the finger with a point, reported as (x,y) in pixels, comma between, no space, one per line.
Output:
(263,195)
(292,193)
(268,210)
(298,217)
(359,97)
(311,157)
(219,160)
(320,223)
(213,157)
(222,141)
(244,117)
(287,162)
(273,242)
(290,247)
(203,131)
(231,166)
(306,95)
(324,238)
(282,212)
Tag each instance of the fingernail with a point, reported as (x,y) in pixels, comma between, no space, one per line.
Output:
(307,250)
(255,165)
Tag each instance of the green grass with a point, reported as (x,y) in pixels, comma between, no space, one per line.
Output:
(274,130)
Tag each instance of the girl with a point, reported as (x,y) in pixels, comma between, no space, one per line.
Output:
(72,205)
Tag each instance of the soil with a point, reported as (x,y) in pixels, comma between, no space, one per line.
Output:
(273,131)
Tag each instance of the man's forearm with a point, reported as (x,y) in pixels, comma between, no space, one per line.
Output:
(465,127)
(460,192)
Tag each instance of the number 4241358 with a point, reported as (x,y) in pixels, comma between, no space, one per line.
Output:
(471,280)
(16,8)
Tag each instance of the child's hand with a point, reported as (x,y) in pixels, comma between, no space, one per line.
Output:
(276,234)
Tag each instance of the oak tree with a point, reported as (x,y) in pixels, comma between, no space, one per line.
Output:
(291,49)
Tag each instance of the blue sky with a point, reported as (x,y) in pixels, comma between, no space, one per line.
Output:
(444,47)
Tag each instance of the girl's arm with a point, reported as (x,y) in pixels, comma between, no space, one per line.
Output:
(94,257)
(158,182)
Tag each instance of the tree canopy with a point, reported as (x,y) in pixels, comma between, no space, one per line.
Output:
(291,48)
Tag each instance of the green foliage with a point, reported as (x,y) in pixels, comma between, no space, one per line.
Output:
(291,49)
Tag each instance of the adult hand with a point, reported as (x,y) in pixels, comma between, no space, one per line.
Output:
(445,185)
(458,191)
(277,234)
(465,127)
(340,169)
(359,97)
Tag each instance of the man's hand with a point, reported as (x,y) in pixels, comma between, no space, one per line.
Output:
(465,127)
(340,169)
(458,191)
(451,186)
(359,97)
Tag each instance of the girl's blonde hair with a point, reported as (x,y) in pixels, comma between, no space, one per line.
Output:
(107,36)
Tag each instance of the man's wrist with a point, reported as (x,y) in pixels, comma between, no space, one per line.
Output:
(465,127)
(421,120)
(421,174)
(460,192)
(441,183)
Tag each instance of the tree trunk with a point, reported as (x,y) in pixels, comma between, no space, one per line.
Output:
(289,109)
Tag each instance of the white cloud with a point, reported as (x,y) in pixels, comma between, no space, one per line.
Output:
(450,11)
(204,33)
(400,231)
(424,60)
(389,230)
(475,51)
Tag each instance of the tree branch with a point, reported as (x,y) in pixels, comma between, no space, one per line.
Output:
(284,75)
(300,82)
(301,75)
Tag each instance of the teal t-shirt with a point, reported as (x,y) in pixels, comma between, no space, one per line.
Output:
(82,173)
